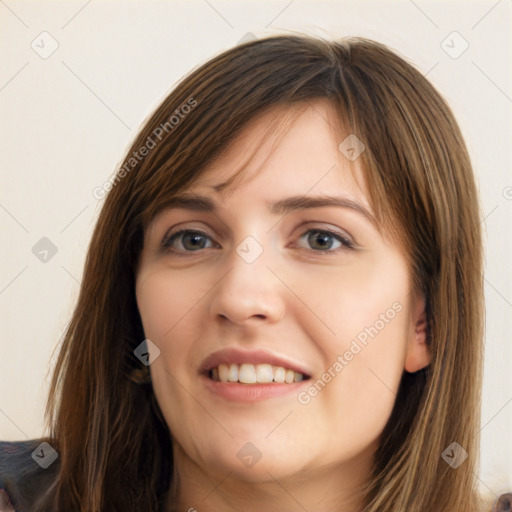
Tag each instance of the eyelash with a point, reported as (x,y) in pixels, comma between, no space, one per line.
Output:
(169,240)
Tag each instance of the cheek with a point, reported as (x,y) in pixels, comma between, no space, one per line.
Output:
(168,313)
(166,303)
(170,307)
(372,364)
(362,381)
(358,302)
(367,311)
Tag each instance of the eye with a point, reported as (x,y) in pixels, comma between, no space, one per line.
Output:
(318,240)
(325,240)
(187,240)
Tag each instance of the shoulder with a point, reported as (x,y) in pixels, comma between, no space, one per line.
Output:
(27,470)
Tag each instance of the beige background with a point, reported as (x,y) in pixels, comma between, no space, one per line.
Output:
(68,118)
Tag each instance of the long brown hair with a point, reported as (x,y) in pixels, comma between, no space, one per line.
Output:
(115,448)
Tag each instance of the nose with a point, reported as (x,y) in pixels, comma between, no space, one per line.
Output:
(249,292)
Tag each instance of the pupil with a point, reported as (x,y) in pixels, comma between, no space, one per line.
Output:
(197,241)
(325,241)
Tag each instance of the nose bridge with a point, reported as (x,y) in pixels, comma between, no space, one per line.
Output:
(249,288)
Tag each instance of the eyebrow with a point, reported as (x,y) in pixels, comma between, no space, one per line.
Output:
(281,207)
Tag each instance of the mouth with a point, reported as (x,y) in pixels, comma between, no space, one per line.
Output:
(247,373)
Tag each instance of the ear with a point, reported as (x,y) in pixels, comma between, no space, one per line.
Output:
(418,354)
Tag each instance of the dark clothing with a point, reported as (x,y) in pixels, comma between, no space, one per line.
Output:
(27,469)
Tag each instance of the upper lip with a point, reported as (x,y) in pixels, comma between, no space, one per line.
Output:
(238,356)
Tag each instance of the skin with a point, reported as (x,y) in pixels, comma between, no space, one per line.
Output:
(298,299)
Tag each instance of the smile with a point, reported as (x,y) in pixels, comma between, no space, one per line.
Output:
(247,373)
(239,375)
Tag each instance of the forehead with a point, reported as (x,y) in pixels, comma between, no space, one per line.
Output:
(292,150)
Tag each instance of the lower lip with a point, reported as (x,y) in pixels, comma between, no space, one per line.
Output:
(250,392)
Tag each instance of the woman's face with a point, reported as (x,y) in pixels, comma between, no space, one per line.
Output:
(286,278)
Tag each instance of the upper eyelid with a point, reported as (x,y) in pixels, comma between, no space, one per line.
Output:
(226,228)
(337,231)
(344,238)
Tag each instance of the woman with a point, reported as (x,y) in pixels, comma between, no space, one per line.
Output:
(281,307)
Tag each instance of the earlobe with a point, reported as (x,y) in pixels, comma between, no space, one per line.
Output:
(418,355)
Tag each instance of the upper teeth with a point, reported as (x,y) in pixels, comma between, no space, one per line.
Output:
(252,373)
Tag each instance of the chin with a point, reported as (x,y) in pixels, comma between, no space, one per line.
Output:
(265,469)
(260,460)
